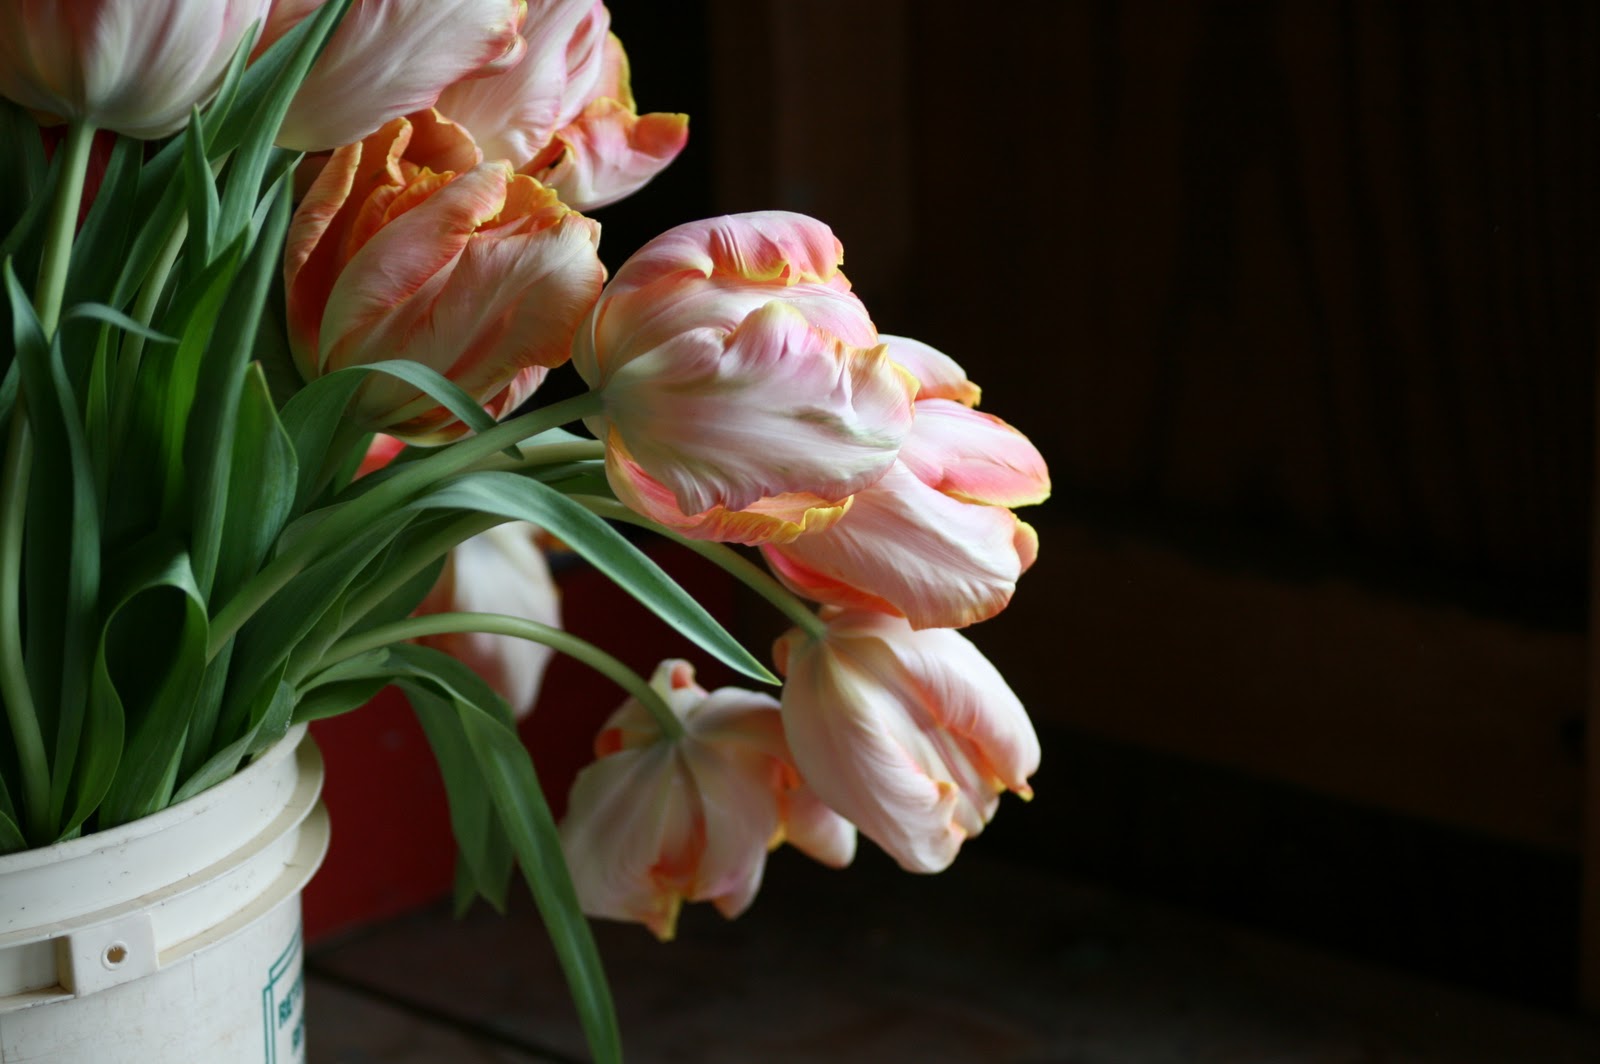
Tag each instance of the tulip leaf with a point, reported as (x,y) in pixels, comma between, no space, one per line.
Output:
(254,151)
(522,498)
(200,191)
(267,722)
(11,840)
(212,446)
(116,318)
(62,546)
(263,646)
(441,691)
(154,651)
(316,419)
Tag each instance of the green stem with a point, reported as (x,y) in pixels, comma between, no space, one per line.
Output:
(350,518)
(517,627)
(63,226)
(545,455)
(722,555)
(14,476)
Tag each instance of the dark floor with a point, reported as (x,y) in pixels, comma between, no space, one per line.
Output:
(986,962)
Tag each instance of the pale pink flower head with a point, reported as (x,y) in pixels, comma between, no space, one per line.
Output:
(935,539)
(911,735)
(565,113)
(498,571)
(746,393)
(655,822)
(407,247)
(389,58)
(131,66)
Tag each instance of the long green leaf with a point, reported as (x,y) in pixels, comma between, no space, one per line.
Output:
(316,414)
(221,396)
(63,547)
(521,498)
(439,688)
(162,698)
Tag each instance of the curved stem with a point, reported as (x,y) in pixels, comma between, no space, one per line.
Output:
(719,554)
(351,517)
(517,627)
(14,476)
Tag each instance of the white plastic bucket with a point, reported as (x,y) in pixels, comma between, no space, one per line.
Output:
(173,939)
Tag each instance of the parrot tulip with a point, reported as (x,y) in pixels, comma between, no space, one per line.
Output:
(746,395)
(911,735)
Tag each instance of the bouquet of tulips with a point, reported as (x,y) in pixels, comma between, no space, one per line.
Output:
(280,282)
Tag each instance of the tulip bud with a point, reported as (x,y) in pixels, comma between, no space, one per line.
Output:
(745,393)
(655,821)
(481,275)
(911,735)
(131,66)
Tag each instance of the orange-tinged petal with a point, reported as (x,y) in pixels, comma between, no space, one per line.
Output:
(938,375)
(609,153)
(909,734)
(974,457)
(395,57)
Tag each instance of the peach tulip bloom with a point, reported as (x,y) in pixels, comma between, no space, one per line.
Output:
(132,66)
(656,822)
(404,249)
(390,58)
(746,393)
(934,540)
(911,735)
(566,114)
(498,571)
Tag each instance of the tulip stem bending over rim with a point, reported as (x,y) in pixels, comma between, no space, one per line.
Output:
(720,554)
(18,465)
(349,518)
(519,628)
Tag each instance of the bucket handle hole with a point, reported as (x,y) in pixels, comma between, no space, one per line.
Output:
(115,954)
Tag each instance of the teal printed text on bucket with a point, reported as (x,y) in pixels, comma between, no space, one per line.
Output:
(283,1011)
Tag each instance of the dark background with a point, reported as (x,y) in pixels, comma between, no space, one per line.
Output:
(1297,299)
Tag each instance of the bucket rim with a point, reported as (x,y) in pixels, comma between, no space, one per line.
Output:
(124,834)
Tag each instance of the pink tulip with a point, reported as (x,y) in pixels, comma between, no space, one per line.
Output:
(565,113)
(746,393)
(131,66)
(498,571)
(390,58)
(402,249)
(912,735)
(656,822)
(934,539)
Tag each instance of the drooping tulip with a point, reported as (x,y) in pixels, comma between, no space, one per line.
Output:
(390,58)
(934,539)
(655,821)
(131,66)
(746,395)
(911,735)
(478,273)
(498,571)
(565,113)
